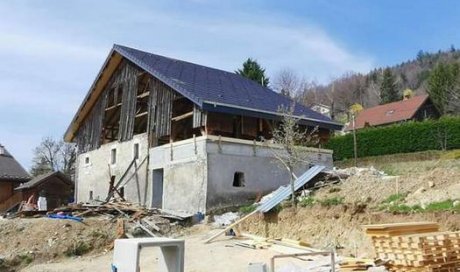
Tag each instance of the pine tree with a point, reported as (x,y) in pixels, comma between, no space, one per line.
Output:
(388,88)
(443,87)
(253,70)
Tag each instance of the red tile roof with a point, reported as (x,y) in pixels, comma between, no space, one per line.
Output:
(389,113)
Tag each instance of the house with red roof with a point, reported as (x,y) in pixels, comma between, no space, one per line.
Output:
(417,108)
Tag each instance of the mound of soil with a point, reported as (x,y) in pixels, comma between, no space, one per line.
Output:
(23,241)
(337,226)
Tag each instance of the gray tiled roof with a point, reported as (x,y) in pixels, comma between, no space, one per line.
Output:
(42,178)
(213,89)
(10,169)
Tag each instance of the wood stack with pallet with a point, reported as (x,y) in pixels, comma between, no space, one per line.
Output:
(416,247)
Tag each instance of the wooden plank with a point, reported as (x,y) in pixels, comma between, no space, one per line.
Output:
(145,229)
(230,226)
(183,116)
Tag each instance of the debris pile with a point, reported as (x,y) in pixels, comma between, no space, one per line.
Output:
(132,220)
(359,171)
(416,246)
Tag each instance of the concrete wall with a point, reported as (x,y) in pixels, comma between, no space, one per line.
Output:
(263,173)
(95,175)
(184,174)
(198,173)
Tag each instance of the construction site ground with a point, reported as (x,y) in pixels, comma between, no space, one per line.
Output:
(413,189)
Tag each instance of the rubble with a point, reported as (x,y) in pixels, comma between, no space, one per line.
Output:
(225,219)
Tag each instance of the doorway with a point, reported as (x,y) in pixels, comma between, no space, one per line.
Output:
(157,187)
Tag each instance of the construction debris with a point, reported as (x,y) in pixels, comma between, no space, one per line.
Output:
(416,247)
(225,219)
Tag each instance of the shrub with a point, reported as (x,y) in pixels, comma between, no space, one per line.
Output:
(403,208)
(447,205)
(399,138)
(306,202)
(247,208)
(333,201)
(394,198)
(442,206)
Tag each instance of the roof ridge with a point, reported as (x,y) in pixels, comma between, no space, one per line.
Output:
(178,60)
(397,102)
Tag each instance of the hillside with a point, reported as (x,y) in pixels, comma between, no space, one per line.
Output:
(364,89)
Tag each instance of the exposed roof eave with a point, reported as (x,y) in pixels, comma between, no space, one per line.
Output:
(112,61)
(232,109)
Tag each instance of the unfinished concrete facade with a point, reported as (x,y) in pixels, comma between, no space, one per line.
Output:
(179,136)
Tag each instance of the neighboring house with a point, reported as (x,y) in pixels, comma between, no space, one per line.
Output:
(55,186)
(416,108)
(12,174)
(321,108)
(181,136)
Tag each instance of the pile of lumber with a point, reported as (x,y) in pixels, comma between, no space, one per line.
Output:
(417,246)
(353,264)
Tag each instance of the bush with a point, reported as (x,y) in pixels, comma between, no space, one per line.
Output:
(306,201)
(399,138)
(247,208)
(394,198)
(447,205)
(442,206)
(333,201)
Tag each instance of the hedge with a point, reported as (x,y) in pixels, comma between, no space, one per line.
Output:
(406,137)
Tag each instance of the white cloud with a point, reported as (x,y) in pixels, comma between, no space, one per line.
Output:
(49,59)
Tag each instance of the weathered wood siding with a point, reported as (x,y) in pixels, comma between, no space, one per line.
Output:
(199,117)
(88,137)
(161,98)
(128,79)
(161,101)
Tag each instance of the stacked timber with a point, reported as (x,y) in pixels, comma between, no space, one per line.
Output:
(414,247)
(353,264)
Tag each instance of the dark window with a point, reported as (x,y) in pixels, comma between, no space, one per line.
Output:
(238,179)
(113,156)
(136,151)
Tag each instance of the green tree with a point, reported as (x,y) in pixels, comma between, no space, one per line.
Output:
(253,70)
(443,87)
(388,88)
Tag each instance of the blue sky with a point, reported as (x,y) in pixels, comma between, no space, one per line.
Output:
(51,51)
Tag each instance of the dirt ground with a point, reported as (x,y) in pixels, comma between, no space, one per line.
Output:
(337,227)
(423,182)
(221,255)
(44,244)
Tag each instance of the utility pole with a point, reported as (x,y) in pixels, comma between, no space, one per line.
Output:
(355,145)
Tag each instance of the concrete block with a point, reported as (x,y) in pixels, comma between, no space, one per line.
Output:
(126,254)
